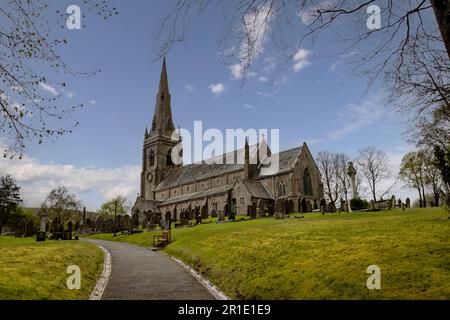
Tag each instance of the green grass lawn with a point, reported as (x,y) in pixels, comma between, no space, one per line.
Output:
(320,257)
(31,270)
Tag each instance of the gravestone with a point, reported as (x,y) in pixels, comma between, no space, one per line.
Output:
(100,225)
(308,206)
(253,211)
(67,235)
(214,213)
(322,210)
(41,236)
(399,203)
(408,203)
(221,216)
(393,202)
(29,229)
(18,233)
(70,226)
(135,221)
(403,206)
(126,221)
(109,225)
(389,205)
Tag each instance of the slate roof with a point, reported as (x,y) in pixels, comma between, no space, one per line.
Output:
(257,189)
(287,160)
(199,171)
(198,194)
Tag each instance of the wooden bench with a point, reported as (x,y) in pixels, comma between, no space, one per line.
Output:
(160,241)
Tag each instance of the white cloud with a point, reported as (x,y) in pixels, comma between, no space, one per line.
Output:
(236,71)
(70,94)
(263,79)
(335,65)
(308,14)
(93,102)
(189,88)
(36,179)
(48,88)
(217,89)
(255,26)
(248,106)
(301,59)
(354,117)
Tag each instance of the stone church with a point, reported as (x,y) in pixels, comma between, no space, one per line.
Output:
(169,191)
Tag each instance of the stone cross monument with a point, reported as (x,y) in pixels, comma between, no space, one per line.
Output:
(351,171)
(43,221)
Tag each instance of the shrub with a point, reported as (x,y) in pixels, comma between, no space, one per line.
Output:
(358,204)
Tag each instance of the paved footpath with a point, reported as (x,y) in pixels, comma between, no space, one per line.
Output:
(141,274)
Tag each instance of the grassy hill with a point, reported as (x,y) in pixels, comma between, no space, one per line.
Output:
(31,270)
(320,257)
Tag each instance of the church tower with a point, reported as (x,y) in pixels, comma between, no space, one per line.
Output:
(158,142)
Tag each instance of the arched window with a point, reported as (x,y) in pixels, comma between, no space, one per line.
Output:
(152,158)
(282,189)
(307,184)
(169,158)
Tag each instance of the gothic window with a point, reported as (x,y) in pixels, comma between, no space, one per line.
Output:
(169,158)
(282,189)
(152,158)
(307,184)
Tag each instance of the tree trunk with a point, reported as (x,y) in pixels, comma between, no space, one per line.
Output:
(424,197)
(420,198)
(442,12)
(436,199)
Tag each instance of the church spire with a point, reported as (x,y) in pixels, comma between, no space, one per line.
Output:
(162,123)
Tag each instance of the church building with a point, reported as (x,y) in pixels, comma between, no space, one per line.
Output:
(169,191)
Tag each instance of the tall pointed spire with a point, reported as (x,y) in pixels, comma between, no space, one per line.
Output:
(162,119)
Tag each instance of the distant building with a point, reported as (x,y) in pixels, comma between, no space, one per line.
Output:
(168,190)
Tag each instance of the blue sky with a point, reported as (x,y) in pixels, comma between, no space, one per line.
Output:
(323,103)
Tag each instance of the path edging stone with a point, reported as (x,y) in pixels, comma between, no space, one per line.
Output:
(219,295)
(104,277)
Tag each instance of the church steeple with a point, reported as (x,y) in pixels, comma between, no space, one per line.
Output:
(162,124)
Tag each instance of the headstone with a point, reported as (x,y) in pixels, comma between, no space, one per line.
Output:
(67,235)
(29,229)
(253,211)
(100,225)
(389,205)
(308,206)
(221,216)
(109,225)
(408,203)
(403,206)
(351,171)
(322,210)
(41,235)
(18,233)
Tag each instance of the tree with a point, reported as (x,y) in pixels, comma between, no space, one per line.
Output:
(412,173)
(60,205)
(442,161)
(409,50)
(344,180)
(328,166)
(9,199)
(374,166)
(114,206)
(432,175)
(28,40)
